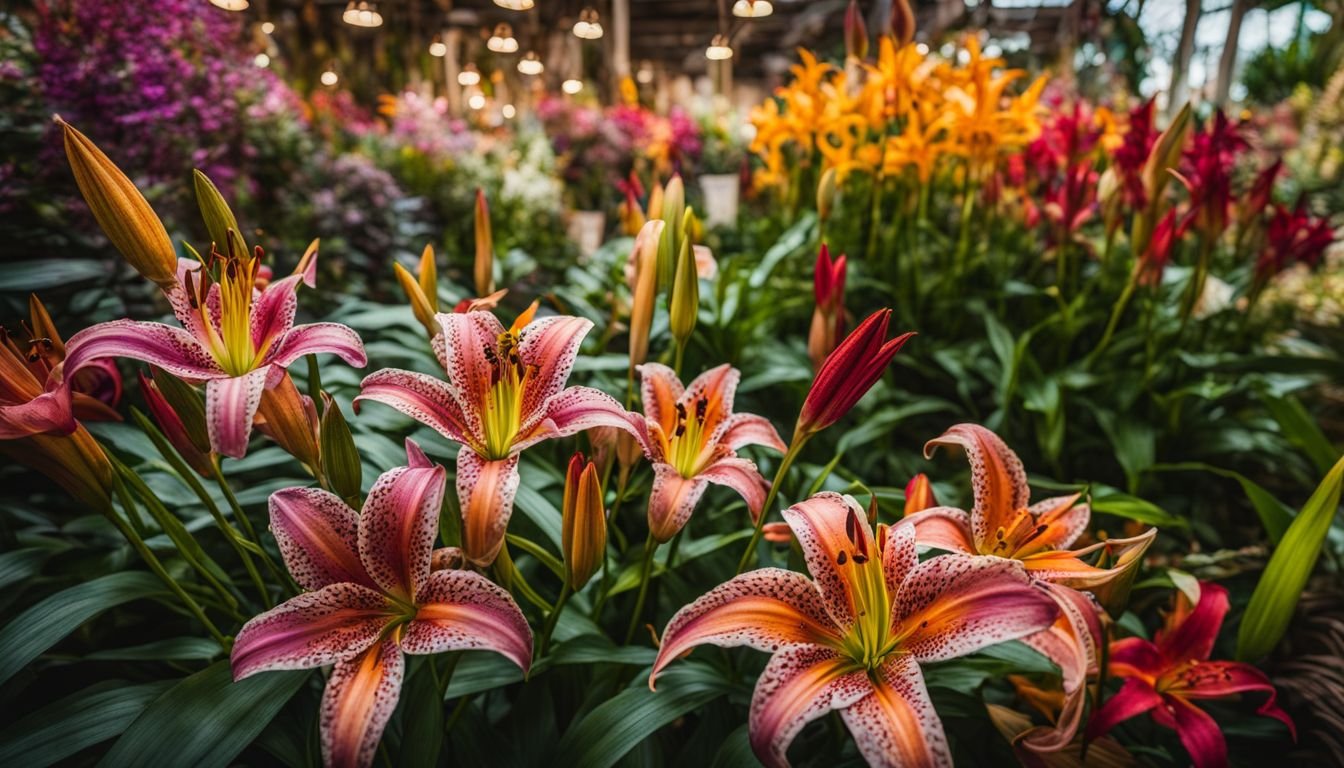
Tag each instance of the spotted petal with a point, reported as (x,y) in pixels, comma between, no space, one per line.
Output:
(740,475)
(463,610)
(660,391)
(830,528)
(398,526)
(743,429)
(718,387)
(230,408)
(763,609)
(945,528)
(895,725)
(953,605)
(578,409)
(485,491)
(320,338)
(427,399)
(318,536)
(311,630)
(800,684)
(1062,519)
(1071,643)
(550,344)
(672,500)
(998,480)
(462,349)
(273,311)
(360,697)
(172,349)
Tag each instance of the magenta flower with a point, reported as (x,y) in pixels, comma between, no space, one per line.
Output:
(374,597)
(235,338)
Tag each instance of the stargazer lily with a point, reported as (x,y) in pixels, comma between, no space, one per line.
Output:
(374,596)
(235,338)
(1166,677)
(853,637)
(691,436)
(1002,524)
(505,392)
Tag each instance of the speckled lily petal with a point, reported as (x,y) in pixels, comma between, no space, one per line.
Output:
(463,610)
(427,399)
(360,697)
(398,527)
(230,407)
(550,344)
(822,525)
(998,480)
(485,491)
(311,630)
(172,349)
(320,338)
(800,684)
(895,726)
(318,536)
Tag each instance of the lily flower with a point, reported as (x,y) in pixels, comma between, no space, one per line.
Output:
(1292,237)
(691,436)
(373,597)
(849,372)
(235,338)
(505,392)
(852,638)
(1166,677)
(1003,525)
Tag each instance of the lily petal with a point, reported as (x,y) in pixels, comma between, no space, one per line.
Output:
(462,610)
(578,409)
(230,407)
(763,609)
(800,684)
(672,500)
(1193,638)
(895,725)
(998,480)
(398,526)
(660,390)
(550,344)
(273,312)
(718,387)
(1199,733)
(172,349)
(1134,656)
(740,475)
(1071,643)
(318,536)
(319,338)
(485,491)
(1064,520)
(1217,679)
(360,697)
(461,349)
(953,605)
(1134,698)
(945,528)
(313,629)
(899,554)
(821,524)
(427,399)
(743,429)
(48,412)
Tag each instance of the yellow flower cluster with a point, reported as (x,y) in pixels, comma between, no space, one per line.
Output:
(905,112)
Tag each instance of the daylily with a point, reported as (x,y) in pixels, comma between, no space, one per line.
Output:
(505,392)
(235,338)
(1166,677)
(691,436)
(853,637)
(374,596)
(1003,525)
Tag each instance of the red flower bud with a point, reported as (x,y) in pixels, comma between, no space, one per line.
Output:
(849,372)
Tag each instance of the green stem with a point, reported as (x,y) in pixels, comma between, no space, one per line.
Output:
(680,352)
(795,447)
(553,619)
(251,532)
(1116,312)
(646,569)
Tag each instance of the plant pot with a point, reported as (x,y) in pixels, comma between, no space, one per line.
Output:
(587,229)
(721,193)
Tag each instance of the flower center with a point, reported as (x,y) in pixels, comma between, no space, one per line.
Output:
(503,407)
(686,444)
(230,341)
(1015,540)
(870,640)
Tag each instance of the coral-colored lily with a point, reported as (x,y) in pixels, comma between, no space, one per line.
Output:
(691,436)
(1001,524)
(374,596)
(235,338)
(849,372)
(1165,678)
(853,637)
(505,392)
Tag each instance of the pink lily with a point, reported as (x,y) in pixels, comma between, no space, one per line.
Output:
(1002,525)
(235,338)
(374,597)
(505,392)
(691,436)
(1165,678)
(853,637)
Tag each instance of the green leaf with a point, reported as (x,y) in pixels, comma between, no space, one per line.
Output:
(22,564)
(1110,501)
(205,720)
(735,752)
(47,623)
(480,671)
(421,716)
(598,649)
(78,721)
(1301,430)
(1275,516)
(41,274)
(613,728)
(1280,586)
(167,649)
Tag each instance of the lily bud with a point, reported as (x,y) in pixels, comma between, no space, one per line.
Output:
(849,372)
(422,293)
(828,317)
(826,194)
(655,203)
(290,419)
(219,219)
(121,211)
(645,255)
(902,22)
(777,533)
(856,32)
(919,494)
(583,522)
(1162,159)
(340,459)
(173,426)
(632,216)
(685,303)
(485,248)
(186,402)
(674,212)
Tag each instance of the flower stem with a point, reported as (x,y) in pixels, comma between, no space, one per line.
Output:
(553,619)
(1116,312)
(795,447)
(645,571)
(251,532)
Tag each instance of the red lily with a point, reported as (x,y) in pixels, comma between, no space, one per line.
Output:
(828,318)
(1133,153)
(1293,237)
(849,372)
(1165,678)
(1158,253)
(1206,173)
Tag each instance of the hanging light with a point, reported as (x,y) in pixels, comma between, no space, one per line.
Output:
(476,100)
(329,78)
(753,9)
(588,27)
(571,86)
(508,111)
(267,27)
(515,5)
(262,60)
(362,14)
(469,76)
(719,49)
(531,64)
(438,49)
(230,5)
(502,41)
